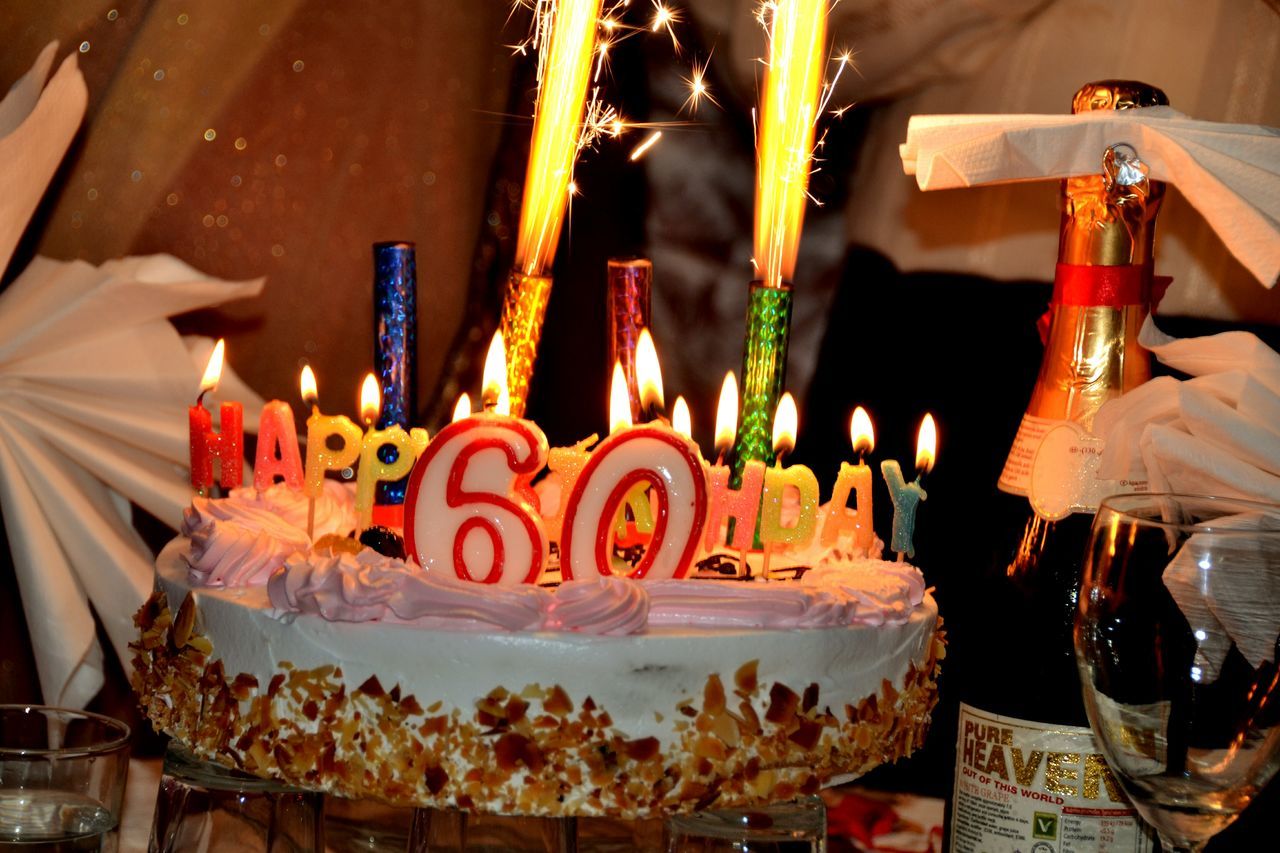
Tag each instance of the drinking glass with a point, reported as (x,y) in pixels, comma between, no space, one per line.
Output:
(203,807)
(62,775)
(1176,643)
(795,827)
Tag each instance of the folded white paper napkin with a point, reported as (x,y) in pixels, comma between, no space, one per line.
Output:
(1229,172)
(94,382)
(94,385)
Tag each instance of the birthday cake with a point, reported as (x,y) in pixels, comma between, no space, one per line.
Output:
(335,667)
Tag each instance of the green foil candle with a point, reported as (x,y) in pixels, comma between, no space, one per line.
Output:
(764,370)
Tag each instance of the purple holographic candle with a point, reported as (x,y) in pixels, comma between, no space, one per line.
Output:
(630,281)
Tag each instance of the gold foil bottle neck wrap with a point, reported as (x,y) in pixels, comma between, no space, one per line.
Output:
(1108,219)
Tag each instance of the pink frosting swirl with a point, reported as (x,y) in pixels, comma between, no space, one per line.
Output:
(335,507)
(369,587)
(235,543)
(602,605)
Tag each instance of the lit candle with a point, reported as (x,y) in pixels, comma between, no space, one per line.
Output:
(373,469)
(681,420)
(840,521)
(740,505)
(649,375)
(462,408)
(227,445)
(320,428)
(906,496)
(778,479)
(651,461)
(471,509)
(278,454)
(493,390)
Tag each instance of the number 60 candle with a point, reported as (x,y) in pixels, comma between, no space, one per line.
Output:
(470,508)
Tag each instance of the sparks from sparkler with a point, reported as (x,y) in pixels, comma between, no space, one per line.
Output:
(570,113)
(795,95)
(643,148)
(698,89)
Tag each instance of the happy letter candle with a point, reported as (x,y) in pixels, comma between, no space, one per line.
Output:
(840,522)
(906,496)
(373,469)
(320,428)
(226,445)
(278,454)
(778,479)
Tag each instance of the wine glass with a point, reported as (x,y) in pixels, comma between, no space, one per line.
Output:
(1176,643)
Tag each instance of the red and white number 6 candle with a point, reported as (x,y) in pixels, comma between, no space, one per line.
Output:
(670,464)
(470,508)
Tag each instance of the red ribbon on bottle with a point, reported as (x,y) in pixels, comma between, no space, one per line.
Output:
(1103,286)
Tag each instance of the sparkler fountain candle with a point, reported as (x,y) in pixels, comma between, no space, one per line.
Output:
(569,28)
(793,97)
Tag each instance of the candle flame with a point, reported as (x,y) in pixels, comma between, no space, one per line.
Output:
(619,400)
(564,75)
(727,414)
(462,409)
(786,422)
(310,395)
(785,135)
(493,390)
(213,369)
(926,445)
(681,420)
(370,399)
(648,372)
(861,433)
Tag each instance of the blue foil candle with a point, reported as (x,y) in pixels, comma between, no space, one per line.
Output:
(395,340)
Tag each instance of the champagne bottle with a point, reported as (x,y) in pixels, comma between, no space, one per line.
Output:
(1029,776)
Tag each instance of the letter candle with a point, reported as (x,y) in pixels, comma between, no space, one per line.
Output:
(278,454)
(226,445)
(740,507)
(320,457)
(858,524)
(373,468)
(776,482)
(906,496)
(630,285)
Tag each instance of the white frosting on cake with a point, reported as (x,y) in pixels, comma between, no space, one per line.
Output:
(630,675)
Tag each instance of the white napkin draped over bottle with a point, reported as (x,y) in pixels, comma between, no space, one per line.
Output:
(1229,172)
(94,385)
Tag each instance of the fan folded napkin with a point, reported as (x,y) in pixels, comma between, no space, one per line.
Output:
(1229,172)
(94,384)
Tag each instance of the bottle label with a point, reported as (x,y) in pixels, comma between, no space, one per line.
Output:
(1016,476)
(1026,787)
(1054,463)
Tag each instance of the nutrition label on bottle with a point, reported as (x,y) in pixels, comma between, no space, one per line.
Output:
(1024,787)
